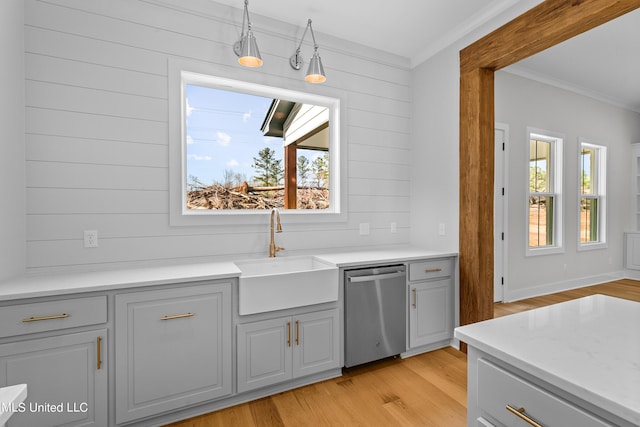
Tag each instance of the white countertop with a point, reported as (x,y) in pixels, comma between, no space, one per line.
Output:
(589,347)
(71,283)
(10,399)
(378,256)
(31,286)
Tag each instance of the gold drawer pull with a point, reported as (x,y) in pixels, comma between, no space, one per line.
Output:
(415,298)
(99,351)
(521,413)
(433,270)
(289,334)
(297,332)
(37,319)
(177,316)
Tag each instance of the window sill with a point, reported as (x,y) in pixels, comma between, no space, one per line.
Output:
(551,250)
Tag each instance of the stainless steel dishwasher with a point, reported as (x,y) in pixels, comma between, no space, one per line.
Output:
(375,313)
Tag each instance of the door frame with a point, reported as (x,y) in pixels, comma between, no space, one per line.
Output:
(501,216)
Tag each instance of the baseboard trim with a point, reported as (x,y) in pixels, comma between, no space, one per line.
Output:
(566,285)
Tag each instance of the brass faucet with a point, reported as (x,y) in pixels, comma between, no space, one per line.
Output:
(277,228)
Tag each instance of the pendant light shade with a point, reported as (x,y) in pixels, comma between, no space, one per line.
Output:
(249,54)
(247,48)
(315,73)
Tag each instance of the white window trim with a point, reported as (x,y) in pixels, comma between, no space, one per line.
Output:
(558,187)
(338,163)
(601,196)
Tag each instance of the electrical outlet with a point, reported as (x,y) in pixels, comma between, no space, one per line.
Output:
(394,227)
(441,230)
(90,238)
(364,228)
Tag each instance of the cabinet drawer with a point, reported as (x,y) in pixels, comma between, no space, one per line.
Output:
(498,388)
(51,316)
(429,269)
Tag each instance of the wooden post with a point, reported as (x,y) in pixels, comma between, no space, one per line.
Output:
(476,195)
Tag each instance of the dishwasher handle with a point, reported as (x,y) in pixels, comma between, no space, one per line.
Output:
(356,279)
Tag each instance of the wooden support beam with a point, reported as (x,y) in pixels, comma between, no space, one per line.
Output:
(476,200)
(549,23)
(544,26)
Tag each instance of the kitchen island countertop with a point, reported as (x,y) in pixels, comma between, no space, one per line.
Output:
(588,347)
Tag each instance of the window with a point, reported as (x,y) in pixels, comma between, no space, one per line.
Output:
(238,149)
(592,201)
(544,196)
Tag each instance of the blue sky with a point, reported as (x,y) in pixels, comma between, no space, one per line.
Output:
(223,132)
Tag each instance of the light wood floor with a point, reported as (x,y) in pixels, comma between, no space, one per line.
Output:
(625,288)
(424,390)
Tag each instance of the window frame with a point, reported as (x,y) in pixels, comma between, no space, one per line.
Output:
(180,71)
(555,190)
(600,171)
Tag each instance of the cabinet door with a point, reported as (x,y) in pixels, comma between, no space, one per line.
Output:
(316,342)
(430,314)
(264,353)
(66,379)
(173,348)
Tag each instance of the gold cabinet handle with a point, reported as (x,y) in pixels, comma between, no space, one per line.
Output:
(37,319)
(297,332)
(415,298)
(521,413)
(177,316)
(99,351)
(433,270)
(289,334)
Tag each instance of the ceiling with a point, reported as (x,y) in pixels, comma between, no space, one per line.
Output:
(603,63)
(413,29)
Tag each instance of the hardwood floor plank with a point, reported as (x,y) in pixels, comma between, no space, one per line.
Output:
(429,389)
(265,413)
(445,370)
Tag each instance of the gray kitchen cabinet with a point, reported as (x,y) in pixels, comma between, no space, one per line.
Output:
(65,368)
(430,302)
(504,398)
(276,350)
(66,377)
(173,349)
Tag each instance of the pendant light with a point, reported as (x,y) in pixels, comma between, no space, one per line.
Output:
(246,48)
(315,73)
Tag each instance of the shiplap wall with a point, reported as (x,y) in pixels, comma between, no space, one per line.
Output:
(97,131)
(12,164)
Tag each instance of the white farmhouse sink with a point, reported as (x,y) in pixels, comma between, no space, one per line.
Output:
(269,284)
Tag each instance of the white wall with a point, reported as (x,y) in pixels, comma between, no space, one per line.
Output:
(435,139)
(97,137)
(435,152)
(520,102)
(12,167)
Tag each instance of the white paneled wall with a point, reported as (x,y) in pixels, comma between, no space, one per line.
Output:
(12,164)
(97,131)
